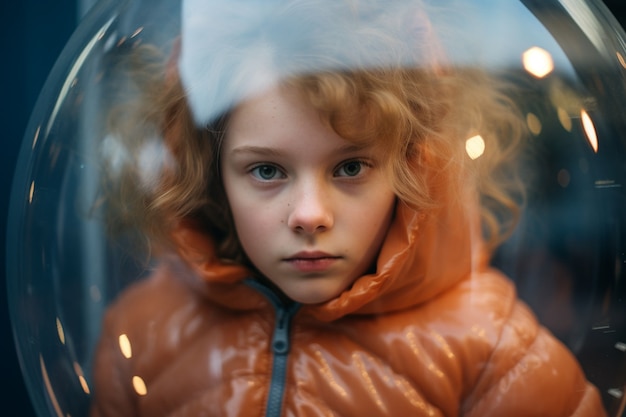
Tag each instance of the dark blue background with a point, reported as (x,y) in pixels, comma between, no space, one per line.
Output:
(33,33)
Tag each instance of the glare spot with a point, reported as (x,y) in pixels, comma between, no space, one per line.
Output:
(153,157)
(534,124)
(621,60)
(590,130)
(139,385)
(81,378)
(616,392)
(115,154)
(537,62)
(36,137)
(31,192)
(60,331)
(137,32)
(564,118)
(83,384)
(125,346)
(604,184)
(475,146)
(48,385)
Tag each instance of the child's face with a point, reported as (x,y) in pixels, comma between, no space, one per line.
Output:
(310,208)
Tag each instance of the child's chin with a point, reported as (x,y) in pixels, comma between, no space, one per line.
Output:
(313,293)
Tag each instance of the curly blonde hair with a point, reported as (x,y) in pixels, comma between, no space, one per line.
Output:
(404,112)
(410,114)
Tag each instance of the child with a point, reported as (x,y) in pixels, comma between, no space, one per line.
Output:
(332,241)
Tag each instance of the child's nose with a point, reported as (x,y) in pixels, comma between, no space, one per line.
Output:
(310,211)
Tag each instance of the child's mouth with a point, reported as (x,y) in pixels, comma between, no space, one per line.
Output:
(312,261)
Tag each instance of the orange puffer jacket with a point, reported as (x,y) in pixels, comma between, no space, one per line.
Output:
(433,332)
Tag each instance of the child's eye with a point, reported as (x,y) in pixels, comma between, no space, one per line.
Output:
(266,172)
(350,168)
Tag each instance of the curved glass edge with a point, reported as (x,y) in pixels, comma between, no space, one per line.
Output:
(34,372)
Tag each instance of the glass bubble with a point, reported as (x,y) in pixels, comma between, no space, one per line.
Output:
(67,261)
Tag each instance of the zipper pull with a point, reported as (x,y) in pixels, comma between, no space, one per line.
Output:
(280,339)
(284,314)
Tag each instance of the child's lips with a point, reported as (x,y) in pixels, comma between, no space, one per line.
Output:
(315,261)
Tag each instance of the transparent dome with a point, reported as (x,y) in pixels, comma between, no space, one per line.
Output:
(70,256)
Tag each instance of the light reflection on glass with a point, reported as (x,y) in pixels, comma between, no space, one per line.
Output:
(534,124)
(137,32)
(51,395)
(71,76)
(60,331)
(125,346)
(36,137)
(605,184)
(475,146)
(564,119)
(81,378)
(537,62)
(139,385)
(83,384)
(31,192)
(621,60)
(590,130)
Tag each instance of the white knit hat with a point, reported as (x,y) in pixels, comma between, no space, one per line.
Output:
(233,48)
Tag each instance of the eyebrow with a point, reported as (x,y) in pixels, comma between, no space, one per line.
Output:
(275,152)
(258,150)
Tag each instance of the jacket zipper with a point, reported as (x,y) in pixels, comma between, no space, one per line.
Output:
(280,347)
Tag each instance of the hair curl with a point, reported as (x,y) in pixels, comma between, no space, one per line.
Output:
(403,111)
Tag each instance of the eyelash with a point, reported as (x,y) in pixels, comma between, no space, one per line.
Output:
(361,163)
(255,170)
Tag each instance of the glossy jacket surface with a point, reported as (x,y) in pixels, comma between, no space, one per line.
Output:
(433,332)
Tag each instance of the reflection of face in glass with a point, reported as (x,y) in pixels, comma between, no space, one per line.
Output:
(310,208)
